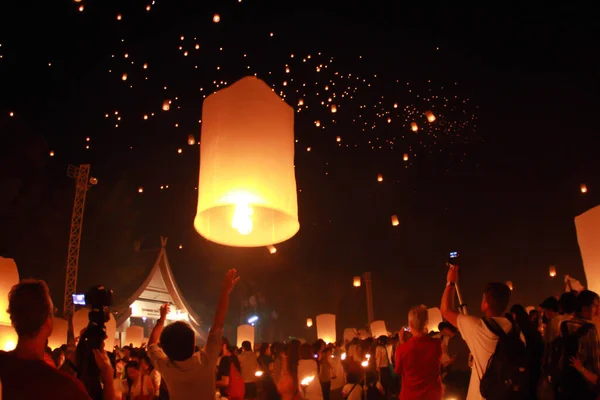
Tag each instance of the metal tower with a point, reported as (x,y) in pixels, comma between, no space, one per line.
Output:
(81,175)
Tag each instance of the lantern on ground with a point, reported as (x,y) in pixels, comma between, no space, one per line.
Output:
(414,127)
(247,187)
(9,276)
(356,281)
(588,232)
(245,333)
(379,178)
(552,271)
(326,328)
(509,284)
(378,328)
(134,335)
(309,322)
(430,116)
(434,318)
(395,221)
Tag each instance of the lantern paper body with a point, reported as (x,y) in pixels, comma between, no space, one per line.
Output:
(414,127)
(8,337)
(509,284)
(378,329)
(326,328)
(309,322)
(583,188)
(272,249)
(80,321)
(430,116)
(245,332)
(552,271)
(247,186)
(379,178)
(405,157)
(588,237)
(356,281)
(9,276)
(134,335)
(349,334)
(59,333)
(395,221)
(434,316)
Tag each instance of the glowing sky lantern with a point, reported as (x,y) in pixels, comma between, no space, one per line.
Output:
(379,178)
(414,127)
(338,139)
(309,322)
(552,271)
(430,116)
(509,284)
(326,328)
(59,333)
(583,188)
(134,335)
(245,333)
(124,77)
(356,281)
(216,18)
(166,105)
(272,249)
(8,338)
(333,108)
(301,102)
(317,123)
(434,318)
(247,185)
(9,276)
(191,140)
(588,238)
(405,157)
(395,221)
(378,328)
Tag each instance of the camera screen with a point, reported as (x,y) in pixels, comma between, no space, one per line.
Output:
(454,254)
(79,299)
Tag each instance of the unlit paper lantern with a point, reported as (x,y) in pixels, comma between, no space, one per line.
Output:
(245,332)
(9,276)
(8,337)
(326,328)
(247,184)
(356,281)
(309,322)
(378,328)
(434,316)
(59,333)
(588,237)
(134,335)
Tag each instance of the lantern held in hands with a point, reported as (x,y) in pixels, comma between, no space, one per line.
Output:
(247,187)
(245,333)
(378,329)
(326,328)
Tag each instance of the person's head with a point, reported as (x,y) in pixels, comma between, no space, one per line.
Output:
(225,345)
(447,329)
(588,303)
(417,319)
(132,371)
(178,341)
(31,310)
(265,349)
(145,363)
(246,346)
(126,351)
(382,340)
(567,303)
(135,355)
(277,349)
(306,352)
(58,357)
(550,307)
(496,297)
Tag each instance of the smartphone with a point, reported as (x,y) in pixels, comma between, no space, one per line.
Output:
(406,329)
(453,258)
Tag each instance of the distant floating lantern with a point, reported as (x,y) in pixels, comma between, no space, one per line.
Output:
(552,271)
(356,281)
(216,18)
(166,105)
(379,178)
(395,105)
(119,17)
(247,185)
(414,127)
(509,284)
(309,322)
(179,151)
(395,221)
(317,123)
(191,140)
(583,188)
(140,190)
(389,120)
(338,139)
(272,249)
(333,108)
(124,77)
(430,116)
(51,153)
(145,66)
(301,102)
(405,157)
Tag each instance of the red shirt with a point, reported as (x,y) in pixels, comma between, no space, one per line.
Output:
(34,380)
(418,364)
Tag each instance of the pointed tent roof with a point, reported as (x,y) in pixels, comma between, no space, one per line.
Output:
(160,286)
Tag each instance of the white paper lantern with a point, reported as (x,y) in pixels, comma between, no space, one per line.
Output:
(378,328)
(80,321)
(8,337)
(134,335)
(59,333)
(349,334)
(326,328)
(356,281)
(245,332)
(309,322)
(434,316)
(9,276)
(247,185)
(588,237)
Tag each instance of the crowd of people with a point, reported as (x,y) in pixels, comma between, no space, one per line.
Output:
(551,352)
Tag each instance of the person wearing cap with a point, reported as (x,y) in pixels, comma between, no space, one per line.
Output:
(551,317)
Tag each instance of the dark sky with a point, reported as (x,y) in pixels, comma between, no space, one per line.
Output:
(497,176)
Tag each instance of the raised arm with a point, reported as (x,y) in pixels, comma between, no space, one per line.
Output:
(160,324)
(447,306)
(229,282)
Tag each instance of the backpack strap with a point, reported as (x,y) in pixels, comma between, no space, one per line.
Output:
(494,327)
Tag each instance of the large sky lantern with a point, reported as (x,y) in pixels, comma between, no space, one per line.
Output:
(378,329)
(326,328)
(9,276)
(588,237)
(134,335)
(59,333)
(434,318)
(247,185)
(245,333)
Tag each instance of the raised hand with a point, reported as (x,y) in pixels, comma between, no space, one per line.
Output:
(230,280)
(164,311)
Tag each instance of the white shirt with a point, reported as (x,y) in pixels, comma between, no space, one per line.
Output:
(308,368)
(482,343)
(193,378)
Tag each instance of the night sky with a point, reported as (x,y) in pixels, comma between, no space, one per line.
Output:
(496,176)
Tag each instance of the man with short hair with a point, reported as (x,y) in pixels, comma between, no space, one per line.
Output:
(551,317)
(481,341)
(24,373)
(189,374)
(249,366)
